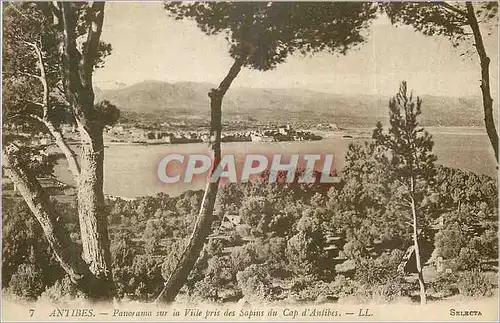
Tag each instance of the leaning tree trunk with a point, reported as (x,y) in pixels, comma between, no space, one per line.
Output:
(66,251)
(92,214)
(88,267)
(485,79)
(203,224)
(418,260)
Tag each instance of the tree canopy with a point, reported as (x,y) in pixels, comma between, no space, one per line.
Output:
(440,18)
(31,70)
(264,34)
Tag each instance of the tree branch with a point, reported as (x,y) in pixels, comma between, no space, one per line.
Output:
(42,77)
(58,137)
(403,184)
(30,75)
(70,155)
(35,103)
(95,16)
(452,8)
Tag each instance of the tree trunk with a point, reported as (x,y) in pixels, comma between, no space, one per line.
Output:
(203,225)
(485,79)
(65,250)
(92,214)
(421,282)
(76,68)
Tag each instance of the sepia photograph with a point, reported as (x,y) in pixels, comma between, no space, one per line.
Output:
(249,161)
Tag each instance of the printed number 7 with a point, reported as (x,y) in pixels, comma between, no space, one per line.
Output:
(32,311)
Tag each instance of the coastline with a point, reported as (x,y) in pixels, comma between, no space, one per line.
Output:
(345,133)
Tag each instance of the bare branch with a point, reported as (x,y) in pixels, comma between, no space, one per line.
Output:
(34,103)
(30,44)
(403,184)
(38,77)
(70,155)
(42,77)
(404,202)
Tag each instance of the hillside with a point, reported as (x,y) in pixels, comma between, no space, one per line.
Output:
(190,100)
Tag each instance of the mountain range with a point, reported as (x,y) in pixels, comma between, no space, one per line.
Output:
(190,100)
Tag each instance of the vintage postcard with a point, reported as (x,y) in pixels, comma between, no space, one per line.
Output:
(249,161)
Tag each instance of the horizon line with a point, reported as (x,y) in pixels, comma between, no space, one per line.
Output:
(304,88)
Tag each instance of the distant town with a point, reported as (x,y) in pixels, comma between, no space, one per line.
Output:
(153,134)
(131,134)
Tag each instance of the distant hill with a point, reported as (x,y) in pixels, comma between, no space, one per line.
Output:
(188,99)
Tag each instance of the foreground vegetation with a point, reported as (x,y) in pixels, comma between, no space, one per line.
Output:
(284,241)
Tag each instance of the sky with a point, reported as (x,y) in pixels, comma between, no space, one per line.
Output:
(150,45)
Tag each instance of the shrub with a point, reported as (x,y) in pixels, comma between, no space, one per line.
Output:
(343,286)
(475,284)
(255,282)
(384,292)
(363,294)
(379,279)
(376,271)
(300,282)
(391,289)
(308,289)
(305,249)
(217,276)
(173,252)
(469,259)
(140,281)
(121,278)
(450,240)
(243,256)
(445,284)
(27,282)
(204,290)
(24,246)
(62,291)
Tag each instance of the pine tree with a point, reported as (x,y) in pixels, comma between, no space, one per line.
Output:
(407,151)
